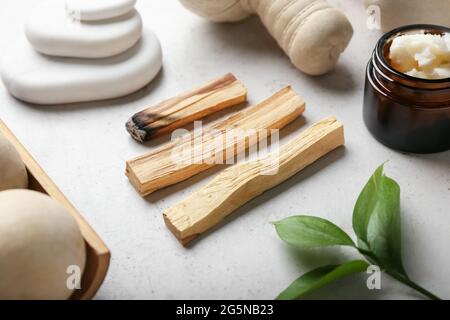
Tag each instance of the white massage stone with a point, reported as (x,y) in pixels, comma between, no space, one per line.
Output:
(92,10)
(51,31)
(37,78)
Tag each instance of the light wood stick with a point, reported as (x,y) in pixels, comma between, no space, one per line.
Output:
(157,169)
(174,113)
(240,183)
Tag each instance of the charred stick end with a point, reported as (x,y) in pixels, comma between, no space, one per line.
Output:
(138,125)
(136,132)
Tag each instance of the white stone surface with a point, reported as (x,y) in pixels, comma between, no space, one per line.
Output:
(92,10)
(83,147)
(36,78)
(52,32)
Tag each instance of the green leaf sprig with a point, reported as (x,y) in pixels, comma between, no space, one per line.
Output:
(377,224)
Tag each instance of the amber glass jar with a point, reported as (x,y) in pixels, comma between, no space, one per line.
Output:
(403,112)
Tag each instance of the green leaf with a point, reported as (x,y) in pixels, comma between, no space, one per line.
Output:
(376,220)
(320,277)
(366,204)
(384,230)
(306,231)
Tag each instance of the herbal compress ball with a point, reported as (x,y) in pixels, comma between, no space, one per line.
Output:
(13,173)
(39,241)
(311,32)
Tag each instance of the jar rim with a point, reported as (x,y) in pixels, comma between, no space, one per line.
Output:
(391,34)
(375,87)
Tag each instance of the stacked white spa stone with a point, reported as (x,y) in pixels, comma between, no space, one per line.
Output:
(81,50)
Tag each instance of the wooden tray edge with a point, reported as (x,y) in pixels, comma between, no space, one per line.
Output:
(94,275)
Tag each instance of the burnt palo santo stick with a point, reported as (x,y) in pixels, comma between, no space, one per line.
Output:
(192,105)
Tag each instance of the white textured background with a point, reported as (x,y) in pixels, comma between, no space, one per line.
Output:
(84,148)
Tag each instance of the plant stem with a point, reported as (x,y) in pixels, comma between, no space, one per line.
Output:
(366,253)
(413,285)
(399,277)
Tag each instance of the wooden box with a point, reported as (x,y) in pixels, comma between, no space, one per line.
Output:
(98,255)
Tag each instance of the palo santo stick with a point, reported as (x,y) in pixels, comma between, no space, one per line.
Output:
(240,183)
(174,113)
(157,169)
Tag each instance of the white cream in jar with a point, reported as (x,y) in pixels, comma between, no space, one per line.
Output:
(424,56)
